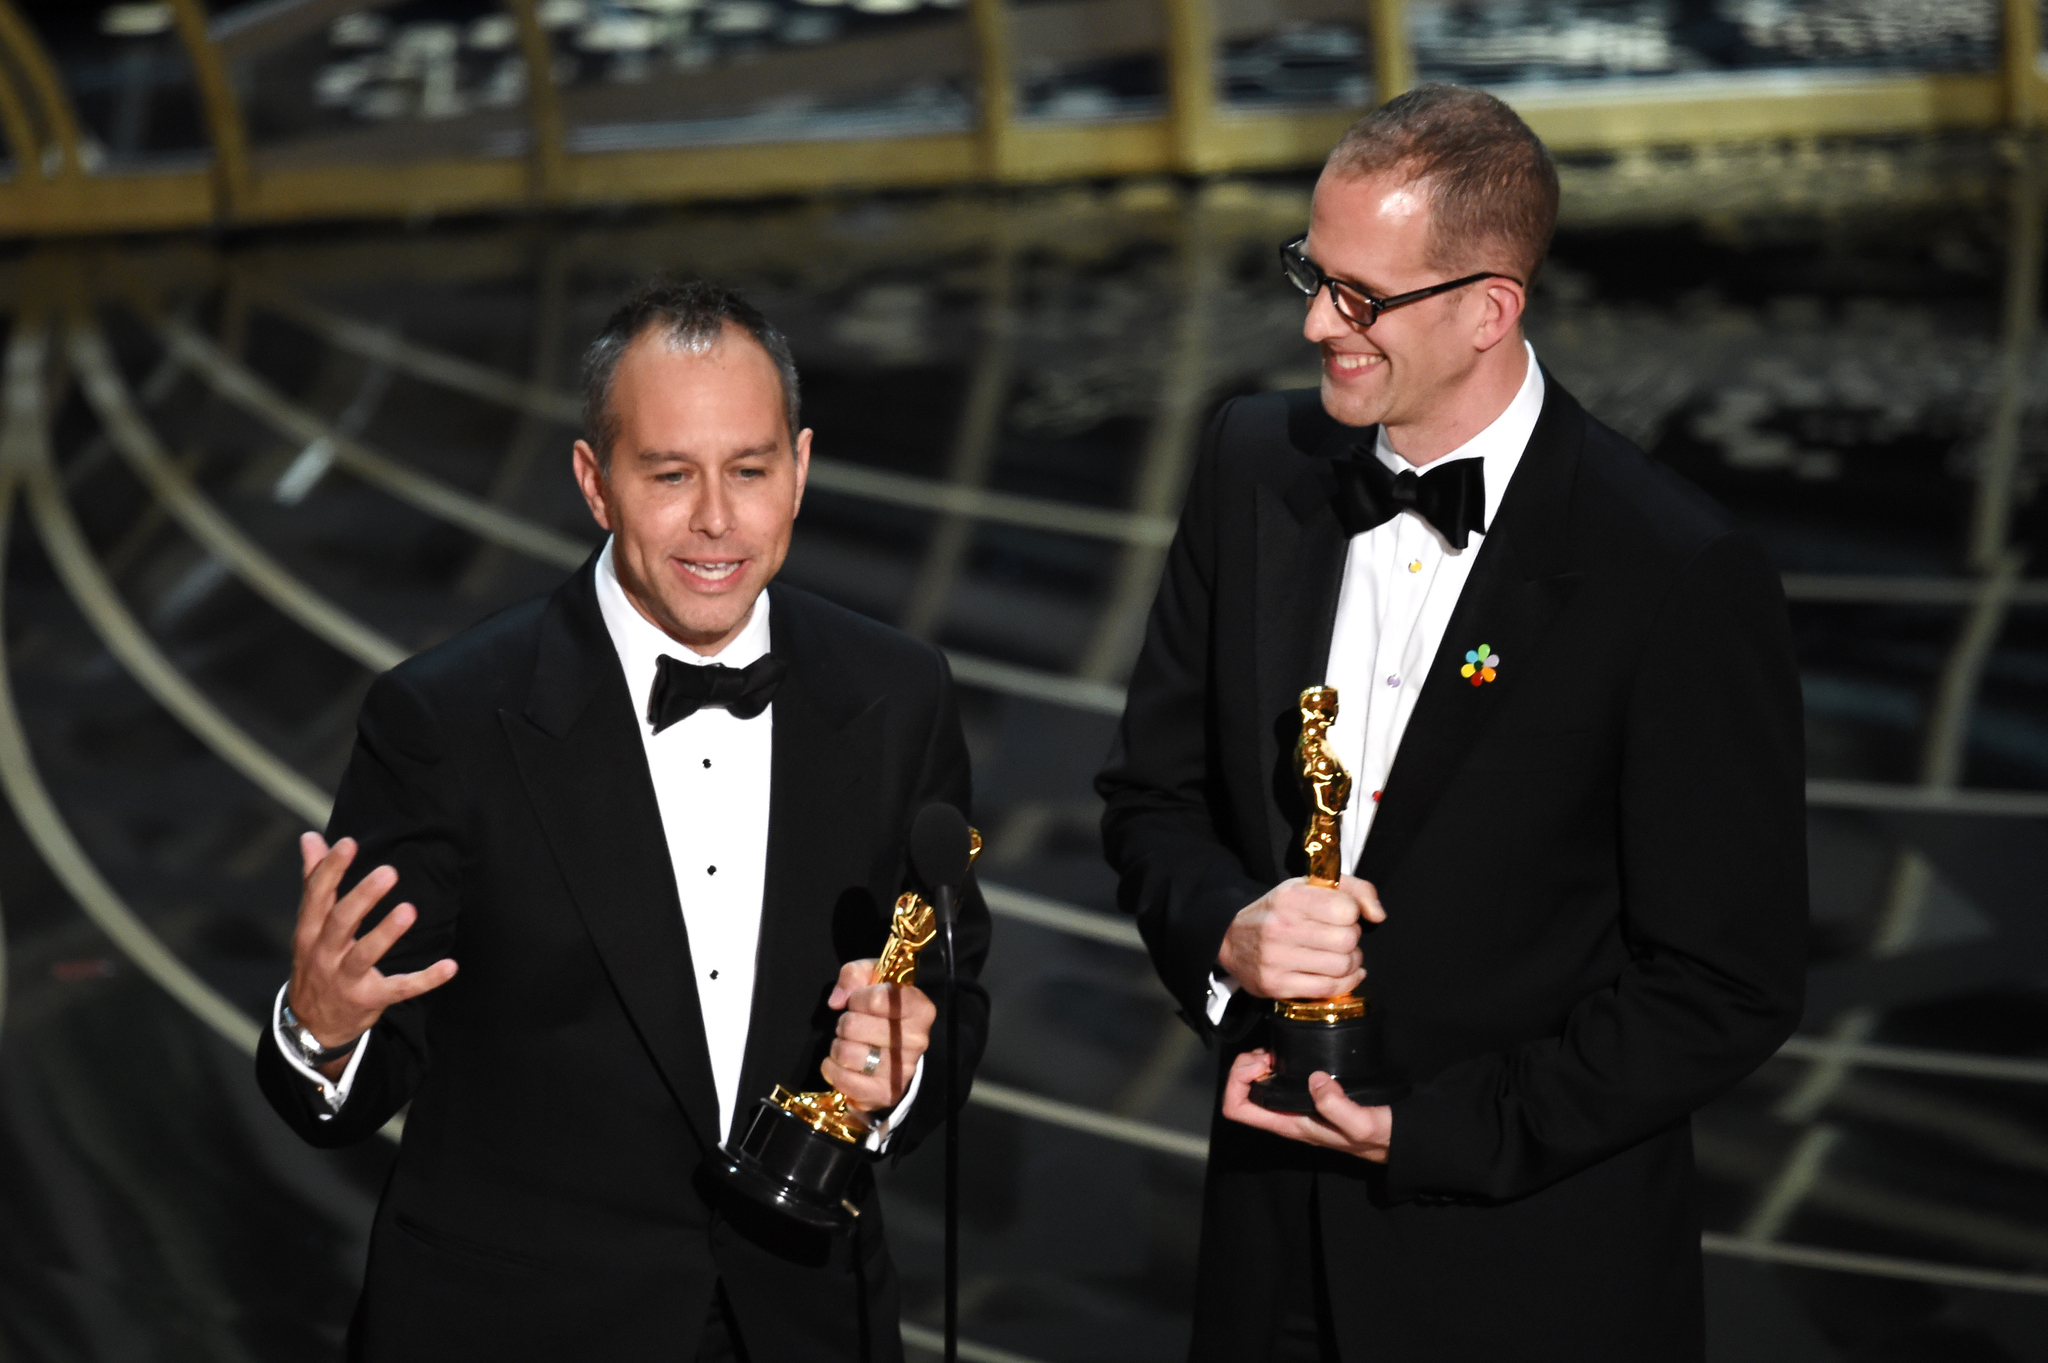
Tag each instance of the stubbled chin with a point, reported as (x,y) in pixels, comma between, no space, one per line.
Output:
(1349,406)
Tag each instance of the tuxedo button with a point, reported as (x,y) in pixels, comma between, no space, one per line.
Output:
(1393,681)
(1414,565)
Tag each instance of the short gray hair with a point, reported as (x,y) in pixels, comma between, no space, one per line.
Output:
(691,316)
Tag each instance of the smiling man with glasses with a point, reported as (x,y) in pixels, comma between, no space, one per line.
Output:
(1578,883)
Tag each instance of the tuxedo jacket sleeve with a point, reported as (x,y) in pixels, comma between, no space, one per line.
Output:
(400,799)
(1168,824)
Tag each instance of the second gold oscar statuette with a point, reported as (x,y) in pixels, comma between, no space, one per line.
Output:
(1340,1036)
(1329,790)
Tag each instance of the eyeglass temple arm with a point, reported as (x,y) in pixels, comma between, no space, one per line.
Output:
(1417,295)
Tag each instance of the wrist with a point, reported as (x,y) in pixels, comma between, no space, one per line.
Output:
(1226,960)
(311,1049)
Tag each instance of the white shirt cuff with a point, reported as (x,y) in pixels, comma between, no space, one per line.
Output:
(881,1125)
(1222,987)
(335,1091)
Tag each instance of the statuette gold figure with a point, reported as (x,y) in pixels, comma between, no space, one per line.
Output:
(1340,1037)
(911,929)
(1329,790)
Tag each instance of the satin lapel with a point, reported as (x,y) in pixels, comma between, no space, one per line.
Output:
(1299,568)
(585,770)
(827,741)
(1517,587)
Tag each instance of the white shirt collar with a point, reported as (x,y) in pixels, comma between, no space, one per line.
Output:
(641,643)
(1500,444)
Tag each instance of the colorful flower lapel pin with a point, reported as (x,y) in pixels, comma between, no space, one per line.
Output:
(1480,665)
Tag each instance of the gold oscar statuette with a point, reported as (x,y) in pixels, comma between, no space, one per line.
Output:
(801,1150)
(911,929)
(1329,790)
(1340,1036)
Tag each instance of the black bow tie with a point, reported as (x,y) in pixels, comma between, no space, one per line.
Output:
(1451,497)
(682,689)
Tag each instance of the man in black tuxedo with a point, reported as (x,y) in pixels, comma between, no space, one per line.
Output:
(663,878)
(1567,699)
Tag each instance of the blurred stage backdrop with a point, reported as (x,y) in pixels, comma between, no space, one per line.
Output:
(295,293)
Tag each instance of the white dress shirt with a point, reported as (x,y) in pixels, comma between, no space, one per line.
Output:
(1401,582)
(711,782)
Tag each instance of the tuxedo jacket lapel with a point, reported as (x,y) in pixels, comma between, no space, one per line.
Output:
(826,742)
(1299,569)
(578,749)
(1517,587)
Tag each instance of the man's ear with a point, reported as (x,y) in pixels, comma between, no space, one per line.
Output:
(1505,302)
(802,451)
(593,482)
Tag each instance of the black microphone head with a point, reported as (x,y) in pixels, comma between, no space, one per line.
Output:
(939,847)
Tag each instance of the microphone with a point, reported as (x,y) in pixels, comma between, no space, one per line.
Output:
(940,847)
(941,850)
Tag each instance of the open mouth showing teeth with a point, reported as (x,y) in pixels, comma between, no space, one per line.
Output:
(714,571)
(1352,363)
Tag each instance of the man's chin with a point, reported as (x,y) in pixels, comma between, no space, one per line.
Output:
(700,619)
(1351,408)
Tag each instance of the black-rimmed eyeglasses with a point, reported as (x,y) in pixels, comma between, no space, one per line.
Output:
(1354,302)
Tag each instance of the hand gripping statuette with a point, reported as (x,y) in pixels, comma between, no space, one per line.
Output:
(802,1149)
(1339,1036)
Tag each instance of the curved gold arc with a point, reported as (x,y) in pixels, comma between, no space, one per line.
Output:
(224,125)
(122,421)
(26,49)
(86,582)
(242,387)
(549,154)
(20,132)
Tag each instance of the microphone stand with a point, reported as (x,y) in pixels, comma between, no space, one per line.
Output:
(945,909)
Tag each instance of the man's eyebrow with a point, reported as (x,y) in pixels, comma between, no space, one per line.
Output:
(1352,281)
(760,451)
(1373,289)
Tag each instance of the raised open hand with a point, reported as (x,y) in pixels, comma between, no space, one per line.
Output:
(336,990)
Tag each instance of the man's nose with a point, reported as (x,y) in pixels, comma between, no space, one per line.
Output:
(712,515)
(1324,322)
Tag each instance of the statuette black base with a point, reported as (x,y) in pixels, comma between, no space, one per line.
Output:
(1349,1050)
(803,1173)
